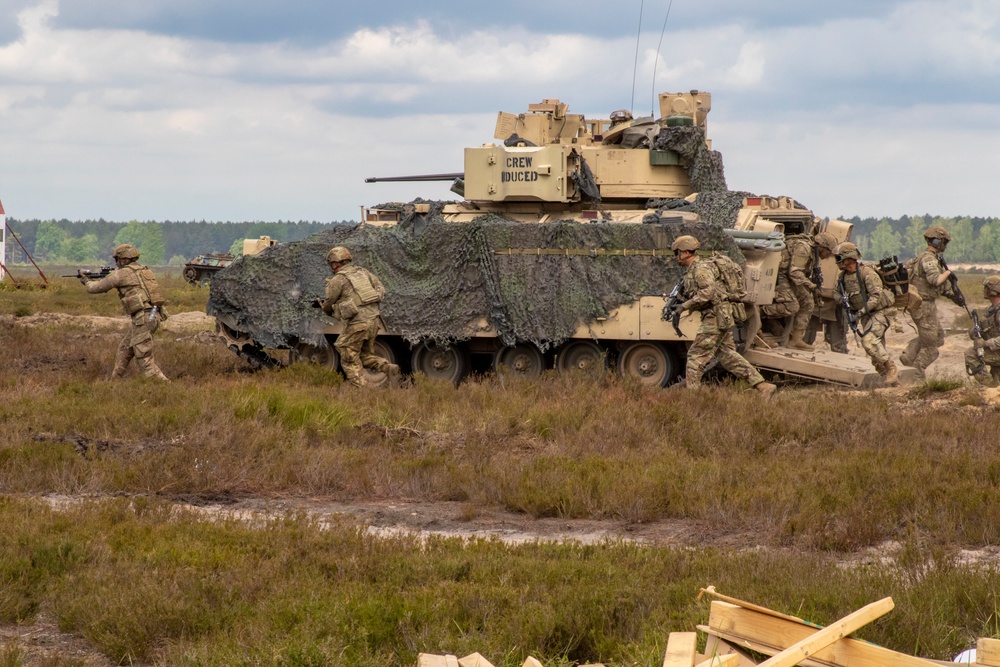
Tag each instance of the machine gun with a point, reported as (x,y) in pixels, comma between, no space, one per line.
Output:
(672,309)
(956,295)
(84,274)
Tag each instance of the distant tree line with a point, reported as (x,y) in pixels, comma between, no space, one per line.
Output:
(174,243)
(972,239)
(92,241)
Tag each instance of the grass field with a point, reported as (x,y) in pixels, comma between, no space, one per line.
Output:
(806,483)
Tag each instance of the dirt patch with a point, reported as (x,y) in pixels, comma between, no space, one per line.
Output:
(188,323)
(43,643)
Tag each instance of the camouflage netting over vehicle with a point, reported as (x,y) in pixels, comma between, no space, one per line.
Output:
(446,276)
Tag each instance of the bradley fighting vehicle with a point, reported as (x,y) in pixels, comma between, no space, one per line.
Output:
(557,255)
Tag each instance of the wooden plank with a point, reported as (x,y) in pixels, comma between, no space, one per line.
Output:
(750,605)
(743,645)
(745,625)
(431,660)
(474,660)
(988,652)
(832,633)
(714,645)
(681,648)
(730,660)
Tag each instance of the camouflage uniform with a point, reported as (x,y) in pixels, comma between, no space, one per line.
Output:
(990,325)
(707,294)
(133,282)
(921,351)
(794,292)
(356,344)
(867,308)
(801,260)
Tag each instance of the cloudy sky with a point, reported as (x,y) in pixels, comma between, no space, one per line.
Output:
(260,110)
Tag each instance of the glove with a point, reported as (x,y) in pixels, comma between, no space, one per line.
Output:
(978,343)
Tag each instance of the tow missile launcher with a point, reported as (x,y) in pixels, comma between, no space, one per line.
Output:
(558,254)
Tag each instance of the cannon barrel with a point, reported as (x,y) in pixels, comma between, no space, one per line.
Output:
(417,178)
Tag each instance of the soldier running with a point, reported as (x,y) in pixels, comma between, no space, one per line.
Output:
(353,296)
(143,303)
(867,298)
(930,282)
(720,307)
(987,342)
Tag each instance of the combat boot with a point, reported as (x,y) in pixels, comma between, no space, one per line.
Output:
(766,390)
(890,374)
(796,342)
(394,376)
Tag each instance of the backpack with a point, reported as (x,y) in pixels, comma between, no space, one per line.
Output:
(731,275)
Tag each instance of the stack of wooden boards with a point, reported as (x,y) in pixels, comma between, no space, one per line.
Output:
(740,633)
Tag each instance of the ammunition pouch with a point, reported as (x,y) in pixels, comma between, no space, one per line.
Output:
(724,315)
(345,310)
(134,303)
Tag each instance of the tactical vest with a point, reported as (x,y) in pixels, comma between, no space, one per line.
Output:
(735,288)
(142,296)
(364,291)
(990,324)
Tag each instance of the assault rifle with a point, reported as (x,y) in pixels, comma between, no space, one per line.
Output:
(956,295)
(84,274)
(817,275)
(672,309)
(851,320)
(977,334)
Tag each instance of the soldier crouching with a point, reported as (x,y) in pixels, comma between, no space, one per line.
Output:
(708,293)
(353,296)
(985,350)
(867,298)
(143,303)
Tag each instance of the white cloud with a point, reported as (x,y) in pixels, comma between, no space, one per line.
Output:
(849,115)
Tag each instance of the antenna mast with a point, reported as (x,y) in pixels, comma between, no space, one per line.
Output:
(635,63)
(656,61)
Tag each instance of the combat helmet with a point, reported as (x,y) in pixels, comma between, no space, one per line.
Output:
(846,250)
(338,254)
(126,251)
(686,243)
(991,286)
(937,232)
(826,240)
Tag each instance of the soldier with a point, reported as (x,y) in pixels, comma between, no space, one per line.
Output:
(867,300)
(143,303)
(930,281)
(795,293)
(835,330)
(989,340)
(721,309)
(352,296)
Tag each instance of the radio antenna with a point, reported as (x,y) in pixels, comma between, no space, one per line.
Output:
(635,64)
(656,60)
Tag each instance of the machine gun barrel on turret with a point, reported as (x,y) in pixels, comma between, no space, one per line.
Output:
(419,178)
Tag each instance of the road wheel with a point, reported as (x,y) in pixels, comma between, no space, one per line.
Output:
(324,356)
(191,275)
(523,360)
(582,356)
(443,363)
(649,363)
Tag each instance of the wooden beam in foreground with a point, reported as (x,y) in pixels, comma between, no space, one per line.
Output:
(988,652)
(681,647)
(770,635)
(834,632)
